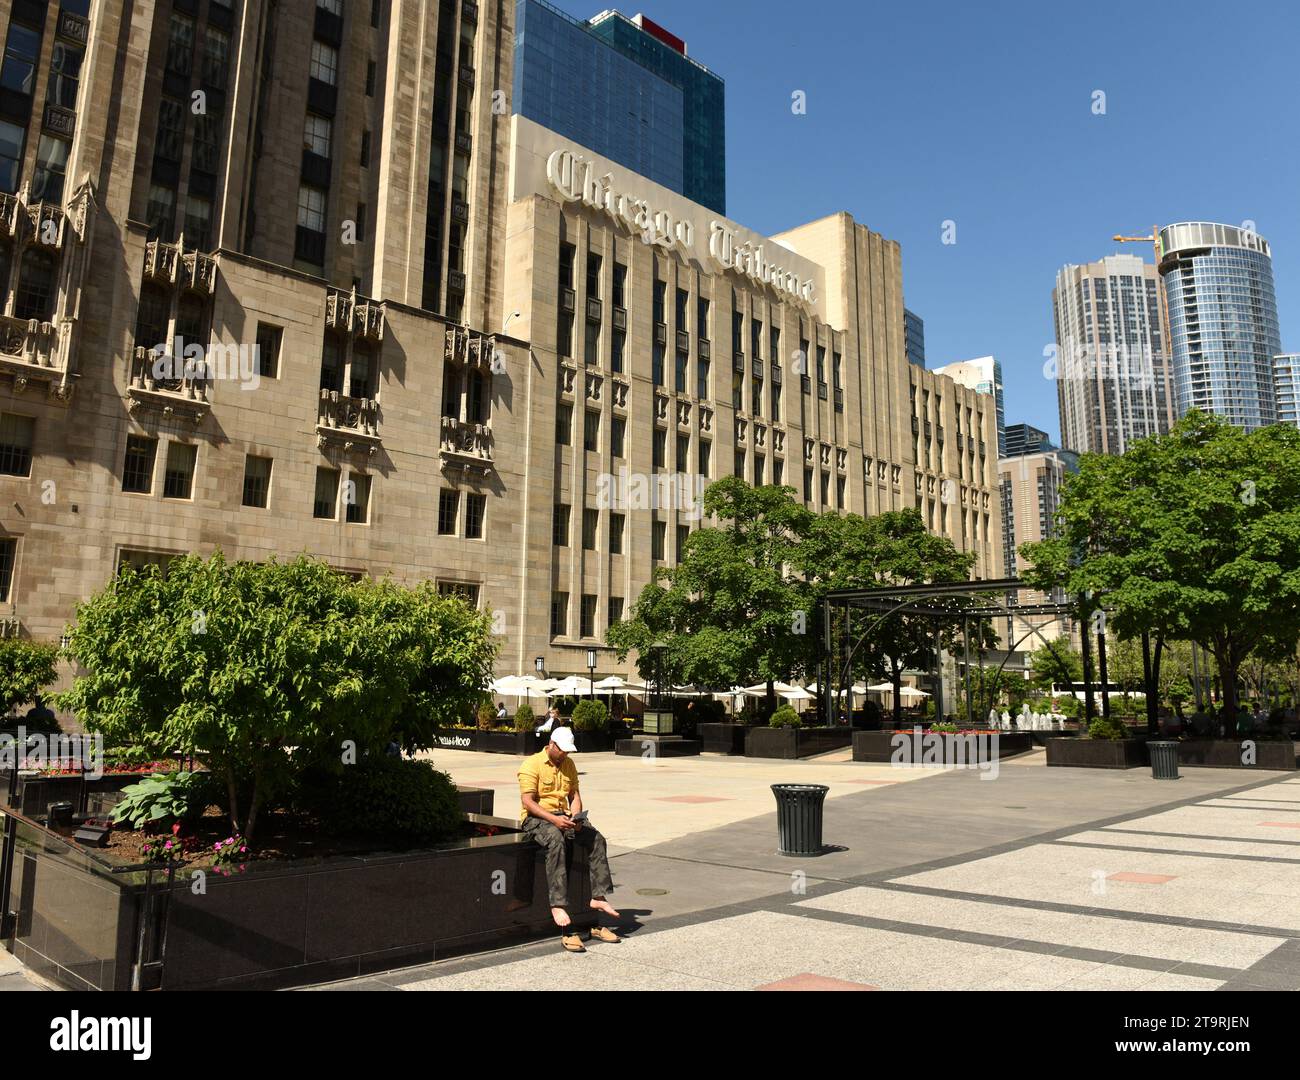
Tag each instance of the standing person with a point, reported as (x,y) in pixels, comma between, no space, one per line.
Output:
(501,710)
(548,792)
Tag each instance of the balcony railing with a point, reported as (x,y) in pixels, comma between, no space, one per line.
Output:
(171,264)
(342,413)
(469,347)
(167,385)
(351,313)
(465,444)
(620,318)
(593,309)
(568,299)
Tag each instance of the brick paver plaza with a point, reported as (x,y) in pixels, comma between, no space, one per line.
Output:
(1065,879)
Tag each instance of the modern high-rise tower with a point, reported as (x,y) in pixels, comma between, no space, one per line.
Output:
(1286,381)
(1223,329)
(1113,380)
(626,89)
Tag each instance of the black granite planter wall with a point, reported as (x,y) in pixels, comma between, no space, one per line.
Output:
(880,746)
(723,738)
(1228,753)
(37,791)
(1097,753)
(790,743)
(280,924)
(590,742)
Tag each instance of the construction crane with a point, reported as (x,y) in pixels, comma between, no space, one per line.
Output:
(1153,239)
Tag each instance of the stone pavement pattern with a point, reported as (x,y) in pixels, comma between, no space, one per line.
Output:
(944,881)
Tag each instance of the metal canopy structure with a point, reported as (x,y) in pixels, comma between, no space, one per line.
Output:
(853,618)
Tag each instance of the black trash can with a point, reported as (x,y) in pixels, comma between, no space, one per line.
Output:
(1164,759)
(799,818)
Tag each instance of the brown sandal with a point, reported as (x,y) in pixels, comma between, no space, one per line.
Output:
(572,943)
(604,933)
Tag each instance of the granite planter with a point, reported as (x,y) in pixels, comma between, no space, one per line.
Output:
(723,738)
(1279,754)
(278,923)
(880,746)
(1097,753)
(790,742)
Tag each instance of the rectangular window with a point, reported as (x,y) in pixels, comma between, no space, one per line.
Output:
(658,539)
(51,167)
(8,550)
(756,397)
(317,134)
(171,130)
(679,381)
(311,208)
(160,212)
(324,63)
(567,255)
(216,57)
(683,304)
(807,485)
(591,344)
(257,480)
(760,465)
(370,78)
(564,334)
(776,402)
(616,523)
(365,149)
(660,290)
(268,350)
(22,48)
(593,275)
(615,611)
(702,380)
(475,511)
(616,354)
(137,471)
(702,318)
(207,154)
(559,614)
(617,436)
(358,512)
(738,466)
(657,365)
(325,501)
(17,433)
(755,339)
(564,425)
(660,449)
(683,534)
(826,489)
(839,492)
(180,45)
(560,526)
(448,511)
(706,455)
(620,285)
(198,221)
(11,155)
(591,430)
(683,453)
(778,471)
(590,525)
(587,616)
(178,475)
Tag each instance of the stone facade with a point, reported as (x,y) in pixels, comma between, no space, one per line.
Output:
(390,427)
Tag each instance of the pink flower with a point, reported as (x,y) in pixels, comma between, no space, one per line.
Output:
(217,846)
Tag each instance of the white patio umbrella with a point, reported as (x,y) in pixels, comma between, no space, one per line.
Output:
(881,688)
(912,692)
(616,684)
(572,686)
(798,693)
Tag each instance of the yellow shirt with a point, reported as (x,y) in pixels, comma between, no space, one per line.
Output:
(552,785)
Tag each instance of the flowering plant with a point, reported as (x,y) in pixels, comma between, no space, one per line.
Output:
(230,852)
(166,847)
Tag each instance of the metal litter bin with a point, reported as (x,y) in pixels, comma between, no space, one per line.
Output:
(799,818)
(1164,759)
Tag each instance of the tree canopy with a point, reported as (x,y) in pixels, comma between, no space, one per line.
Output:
(243,662)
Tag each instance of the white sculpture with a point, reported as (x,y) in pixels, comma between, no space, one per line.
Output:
(1006,720)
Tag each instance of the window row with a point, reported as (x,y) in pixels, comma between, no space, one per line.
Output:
(587,608)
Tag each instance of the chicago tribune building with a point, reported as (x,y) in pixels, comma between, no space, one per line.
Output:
(423,335)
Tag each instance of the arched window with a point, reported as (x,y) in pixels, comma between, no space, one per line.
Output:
(35,299)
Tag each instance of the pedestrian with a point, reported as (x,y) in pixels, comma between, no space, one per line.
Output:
(552,814)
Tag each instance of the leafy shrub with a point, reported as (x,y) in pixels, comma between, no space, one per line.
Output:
(485,716)
(1070,706)
(944,728)
(1103,728)
(525,719)
(590,716)
(26,668)
(785,716)
(164,799)
(390,796)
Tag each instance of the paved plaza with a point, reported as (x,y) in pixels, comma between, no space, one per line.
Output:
(1039,879)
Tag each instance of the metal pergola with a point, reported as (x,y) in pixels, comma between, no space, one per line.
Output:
(851,618)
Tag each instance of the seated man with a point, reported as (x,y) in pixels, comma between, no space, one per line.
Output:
(548,789)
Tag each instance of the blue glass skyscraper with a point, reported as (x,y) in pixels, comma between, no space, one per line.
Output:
(627,90)
(1223,330)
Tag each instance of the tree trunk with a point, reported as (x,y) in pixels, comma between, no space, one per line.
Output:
(233,793)
(255,802)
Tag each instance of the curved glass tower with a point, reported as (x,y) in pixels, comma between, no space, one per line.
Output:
(1222,320)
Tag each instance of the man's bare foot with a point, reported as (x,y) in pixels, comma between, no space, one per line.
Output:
(601,904)
(560,916)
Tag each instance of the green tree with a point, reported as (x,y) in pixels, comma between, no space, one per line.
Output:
(263,669)
(894,548)
(732,612)
(1054,662)
(26,668)
(1192,535)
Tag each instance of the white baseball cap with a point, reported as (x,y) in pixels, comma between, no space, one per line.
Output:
(563,738)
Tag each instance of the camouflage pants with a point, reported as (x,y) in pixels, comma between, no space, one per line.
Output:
(557,876)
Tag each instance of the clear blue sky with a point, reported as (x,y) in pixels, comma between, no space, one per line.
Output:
(981,114)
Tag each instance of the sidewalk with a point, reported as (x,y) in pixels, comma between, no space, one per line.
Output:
(1060,879)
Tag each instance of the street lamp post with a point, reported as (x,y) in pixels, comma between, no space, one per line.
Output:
(591,674)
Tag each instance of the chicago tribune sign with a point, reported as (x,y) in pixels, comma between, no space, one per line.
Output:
(573,178)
